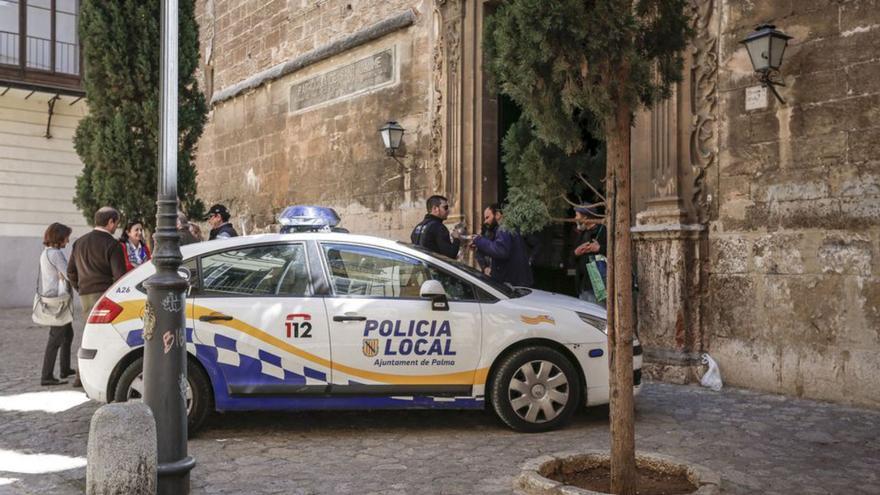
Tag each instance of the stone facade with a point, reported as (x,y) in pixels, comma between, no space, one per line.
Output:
(264,149)
(773,265)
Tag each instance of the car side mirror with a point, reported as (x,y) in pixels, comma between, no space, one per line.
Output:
(433,290)
(191,282)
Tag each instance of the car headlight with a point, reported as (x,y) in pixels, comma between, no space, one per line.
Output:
(594,321)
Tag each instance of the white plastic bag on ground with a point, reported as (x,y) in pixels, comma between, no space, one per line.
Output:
(712,378)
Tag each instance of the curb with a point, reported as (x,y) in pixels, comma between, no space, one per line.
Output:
(532,481)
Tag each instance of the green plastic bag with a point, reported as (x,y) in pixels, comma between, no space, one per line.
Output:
(597,276)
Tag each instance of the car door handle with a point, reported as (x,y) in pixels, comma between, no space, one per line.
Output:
(215,318)
(349,318)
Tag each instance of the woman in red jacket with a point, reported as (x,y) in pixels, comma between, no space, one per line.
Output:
(133,246)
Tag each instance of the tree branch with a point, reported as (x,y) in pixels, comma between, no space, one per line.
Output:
(595,191)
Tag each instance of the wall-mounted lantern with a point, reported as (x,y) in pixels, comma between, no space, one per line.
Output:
(766,46)
(392,138)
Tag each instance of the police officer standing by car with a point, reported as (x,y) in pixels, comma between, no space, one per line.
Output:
(431,234)
(218,219)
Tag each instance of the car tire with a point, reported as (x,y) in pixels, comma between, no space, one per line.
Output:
(127,389)
(540,400)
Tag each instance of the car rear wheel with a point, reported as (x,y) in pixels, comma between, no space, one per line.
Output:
(198,391)
(535,389)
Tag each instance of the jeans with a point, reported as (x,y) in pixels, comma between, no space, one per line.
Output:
(60,338)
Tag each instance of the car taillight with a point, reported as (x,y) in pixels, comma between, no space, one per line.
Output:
(105,311)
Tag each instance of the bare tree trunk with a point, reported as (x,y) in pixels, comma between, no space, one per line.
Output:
(620,305)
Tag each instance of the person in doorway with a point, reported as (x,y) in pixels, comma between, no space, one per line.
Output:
(592,240)
(488,232)
(218,219)
(53,283)
(507,252)
(431,234)
(183,229)
(134,248)
(96,261)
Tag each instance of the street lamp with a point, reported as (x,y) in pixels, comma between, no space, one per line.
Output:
(766,46)
(165,382)
(392,137)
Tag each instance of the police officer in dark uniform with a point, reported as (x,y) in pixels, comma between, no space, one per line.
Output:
(431,234)
(218,219)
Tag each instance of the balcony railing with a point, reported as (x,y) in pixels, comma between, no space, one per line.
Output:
(37,68)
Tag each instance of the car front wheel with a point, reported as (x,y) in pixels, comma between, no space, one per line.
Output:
(198,391)
(535,389)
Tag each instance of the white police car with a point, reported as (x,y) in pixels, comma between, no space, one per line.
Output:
(340,321)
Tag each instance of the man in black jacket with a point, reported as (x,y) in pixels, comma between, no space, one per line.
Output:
(431,234)
(218,219)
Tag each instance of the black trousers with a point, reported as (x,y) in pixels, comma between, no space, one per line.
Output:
(60,338)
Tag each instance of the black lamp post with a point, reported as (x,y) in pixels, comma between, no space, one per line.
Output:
(165,382)
(392,137)
(766,47)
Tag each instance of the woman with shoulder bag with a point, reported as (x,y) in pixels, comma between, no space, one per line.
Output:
(53,304)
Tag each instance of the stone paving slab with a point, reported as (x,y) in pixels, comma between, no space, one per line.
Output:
(758,443)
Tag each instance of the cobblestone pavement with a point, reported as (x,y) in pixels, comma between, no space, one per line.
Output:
(759,443)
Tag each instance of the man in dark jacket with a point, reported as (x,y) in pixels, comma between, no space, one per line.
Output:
(218,219)
(96,261)
(431,234)
(507,252)
(592,239)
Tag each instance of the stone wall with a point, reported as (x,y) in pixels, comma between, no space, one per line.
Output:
(264,149)
(794,269)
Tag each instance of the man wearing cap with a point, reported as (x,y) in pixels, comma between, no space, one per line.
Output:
(218,219)
(592,239)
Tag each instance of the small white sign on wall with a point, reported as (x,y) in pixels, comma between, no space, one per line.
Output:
(756,98)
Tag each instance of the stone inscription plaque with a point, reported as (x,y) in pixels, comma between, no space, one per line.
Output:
(353,78)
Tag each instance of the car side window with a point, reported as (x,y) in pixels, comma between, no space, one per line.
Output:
(257,271)
(456,288)
(364,271)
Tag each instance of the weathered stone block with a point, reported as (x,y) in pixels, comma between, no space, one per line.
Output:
(742,15)
(730,254)
(835,116)
(810,213)
(819,151)
(832,53)
(778,253)
(816,87)
(863,148)
(857,15)
(860,211)
(791,186)
(728,319)
(861,79)
(749,159)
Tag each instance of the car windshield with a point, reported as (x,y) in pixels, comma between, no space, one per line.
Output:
(507,290)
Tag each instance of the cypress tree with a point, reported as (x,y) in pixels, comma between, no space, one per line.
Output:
(118,140)
(576,68)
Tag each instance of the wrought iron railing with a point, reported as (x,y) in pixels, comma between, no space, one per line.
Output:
(38,52)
